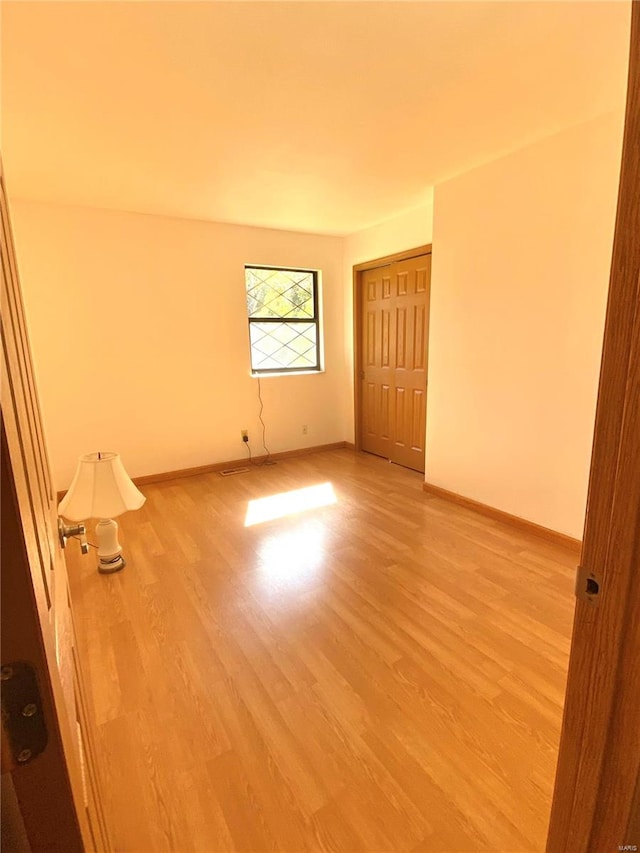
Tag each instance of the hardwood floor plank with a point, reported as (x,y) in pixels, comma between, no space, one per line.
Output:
(384,673)
(332,834)
(280,802)
(240,806)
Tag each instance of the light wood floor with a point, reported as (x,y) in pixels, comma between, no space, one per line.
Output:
(385,673)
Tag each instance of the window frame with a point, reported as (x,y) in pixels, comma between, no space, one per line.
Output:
(317,367)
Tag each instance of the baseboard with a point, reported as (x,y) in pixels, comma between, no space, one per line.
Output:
(506,517)
(349,445)
(214,467)
(234,463)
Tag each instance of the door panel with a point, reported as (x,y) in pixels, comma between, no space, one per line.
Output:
(414,276)
(378,344)
(394,339)
(385,412)
(386,337)
(37,624)
(400,425)
(386,283)
(401,338)
(417,420)
(423,276)
(371,337)
(419,344)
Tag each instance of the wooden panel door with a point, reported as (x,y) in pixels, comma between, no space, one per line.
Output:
(56,791)
(411,280)
(394,319)
(378,311)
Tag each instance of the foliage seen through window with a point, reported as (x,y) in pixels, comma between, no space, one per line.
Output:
(283,319)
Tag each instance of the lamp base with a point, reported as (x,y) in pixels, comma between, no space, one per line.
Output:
(110,557)
(108,567)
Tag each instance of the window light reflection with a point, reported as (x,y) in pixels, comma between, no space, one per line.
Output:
(292,559)
(289,503)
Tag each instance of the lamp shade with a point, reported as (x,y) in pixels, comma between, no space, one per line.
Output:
(101,488)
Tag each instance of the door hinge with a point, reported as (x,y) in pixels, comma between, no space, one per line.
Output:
(24,734)
(588,586)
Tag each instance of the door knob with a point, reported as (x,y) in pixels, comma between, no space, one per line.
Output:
(66,531)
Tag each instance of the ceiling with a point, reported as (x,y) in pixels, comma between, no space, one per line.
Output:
(325,117)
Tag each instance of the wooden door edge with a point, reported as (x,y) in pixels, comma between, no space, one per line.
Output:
(62,822)
(598,771)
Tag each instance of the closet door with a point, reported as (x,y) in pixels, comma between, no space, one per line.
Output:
(394,302)
(378,312)
(410,284)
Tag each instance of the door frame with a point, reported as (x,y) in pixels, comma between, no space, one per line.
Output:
(358,269)
(60,815)
(55,790)
(596,801)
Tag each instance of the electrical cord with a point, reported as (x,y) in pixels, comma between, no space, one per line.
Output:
(264,427)
(88,543)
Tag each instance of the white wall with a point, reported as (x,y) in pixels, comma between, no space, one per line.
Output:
(139,331)
(521,256)
(406,231)
(139,334)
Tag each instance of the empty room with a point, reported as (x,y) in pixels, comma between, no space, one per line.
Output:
(318,385)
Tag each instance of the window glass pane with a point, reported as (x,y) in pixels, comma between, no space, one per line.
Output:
(279,293)
(275,346)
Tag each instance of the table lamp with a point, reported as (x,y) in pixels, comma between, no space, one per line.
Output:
(102,489)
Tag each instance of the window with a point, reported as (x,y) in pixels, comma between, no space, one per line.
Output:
(283,319)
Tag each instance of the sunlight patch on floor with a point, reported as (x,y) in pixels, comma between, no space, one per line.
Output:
(289,503)
(293,559)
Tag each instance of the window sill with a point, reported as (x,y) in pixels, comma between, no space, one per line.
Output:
(286,373)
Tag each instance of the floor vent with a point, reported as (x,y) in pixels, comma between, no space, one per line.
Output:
(229,471)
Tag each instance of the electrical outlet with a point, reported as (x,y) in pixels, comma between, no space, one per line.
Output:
(245,434)
(305,429)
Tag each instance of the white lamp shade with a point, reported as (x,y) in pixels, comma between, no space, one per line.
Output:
(101,488)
